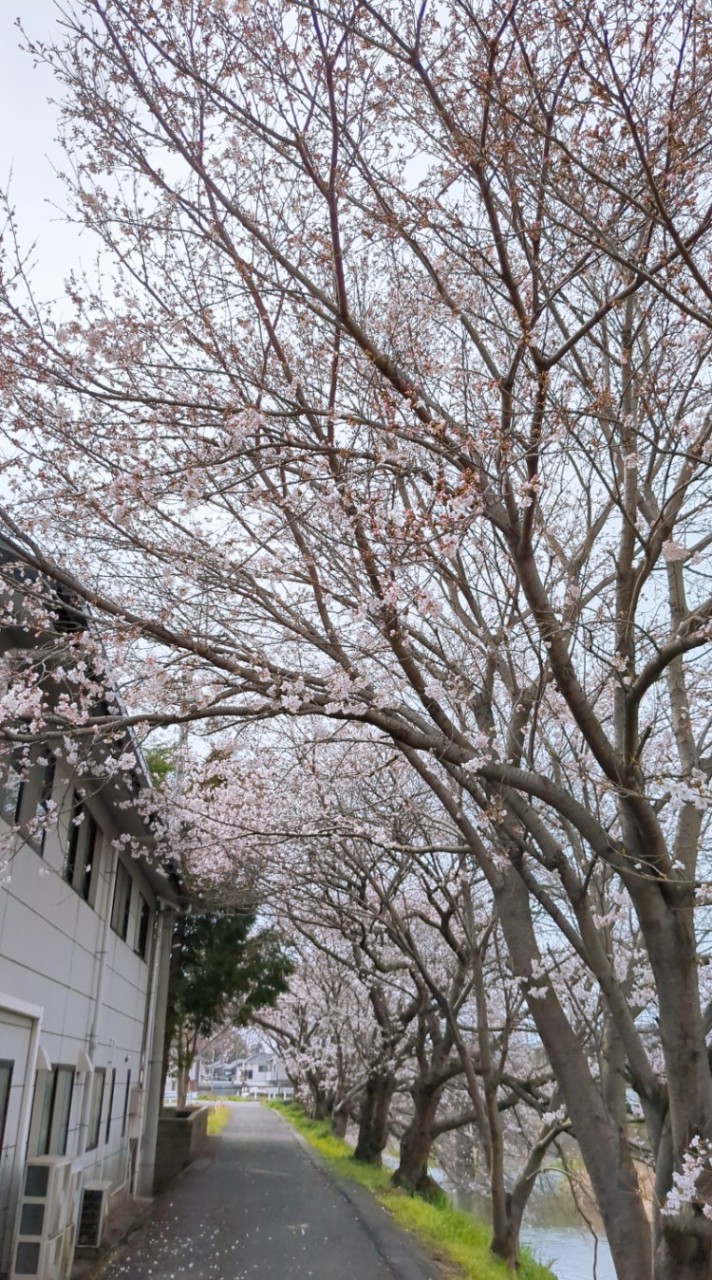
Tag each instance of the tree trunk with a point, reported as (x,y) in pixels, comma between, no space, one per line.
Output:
(319,1099)
(505,1230)
(682,1254)
(670,940)
(339,1122)
(506,1245)
(373,1119)
(603,1143)
(183,1082)
(165,1065)
(172,1022)
(505,1242)
(682,1251)
(412,1171)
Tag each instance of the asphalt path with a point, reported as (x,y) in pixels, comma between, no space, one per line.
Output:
(261,1208)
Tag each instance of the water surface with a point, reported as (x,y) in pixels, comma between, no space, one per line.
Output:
(571,1254)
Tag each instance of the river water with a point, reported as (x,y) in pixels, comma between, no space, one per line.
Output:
(571,1254)
(553,1228)
(554,1231)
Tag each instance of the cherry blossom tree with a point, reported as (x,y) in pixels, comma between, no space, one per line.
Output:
(378,884)
(389,405)
(317,1026)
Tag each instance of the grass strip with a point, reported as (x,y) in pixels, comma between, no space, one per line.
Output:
(224,1097)
(217,1118)
(454,1237)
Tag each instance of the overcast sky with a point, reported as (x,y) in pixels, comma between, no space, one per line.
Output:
(28,147)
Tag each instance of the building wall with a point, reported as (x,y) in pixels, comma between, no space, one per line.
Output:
(58,955)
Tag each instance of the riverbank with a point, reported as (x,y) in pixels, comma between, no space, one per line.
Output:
(453,1236)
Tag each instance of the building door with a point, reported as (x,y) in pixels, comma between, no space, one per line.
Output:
(15,1038)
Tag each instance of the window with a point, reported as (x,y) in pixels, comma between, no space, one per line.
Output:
(142,927)
(81,850)
(126,1105)
(50,1112)
(121,908)
(112,1091)
(5,1082)
(25,790)
(97,1099)
(261,1067)
(45,784)
(11,788)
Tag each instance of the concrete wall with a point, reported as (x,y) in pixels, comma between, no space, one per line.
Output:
(182,1138)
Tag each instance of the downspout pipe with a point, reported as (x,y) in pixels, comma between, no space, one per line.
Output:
(98,1001)
(152,1096)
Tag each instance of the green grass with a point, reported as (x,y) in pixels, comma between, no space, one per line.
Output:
(222,1097)
(217,1119)
(454,1237)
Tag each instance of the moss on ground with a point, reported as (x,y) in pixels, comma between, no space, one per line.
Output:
(454,1237)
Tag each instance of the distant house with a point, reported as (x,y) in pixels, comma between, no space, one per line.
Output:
(84,952)
(263,1075)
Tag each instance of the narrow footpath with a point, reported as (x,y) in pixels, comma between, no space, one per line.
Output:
(261,1209)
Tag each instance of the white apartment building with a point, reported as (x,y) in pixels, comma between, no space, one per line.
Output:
(263,1075)
(84,954)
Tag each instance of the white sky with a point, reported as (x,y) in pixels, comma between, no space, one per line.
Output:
(28,146)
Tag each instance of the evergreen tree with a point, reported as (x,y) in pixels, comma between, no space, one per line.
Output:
(221,972)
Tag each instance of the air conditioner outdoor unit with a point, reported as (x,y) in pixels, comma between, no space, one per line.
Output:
(92,1216)
(44,1239)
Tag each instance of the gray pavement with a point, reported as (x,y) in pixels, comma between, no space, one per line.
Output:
(262,1208)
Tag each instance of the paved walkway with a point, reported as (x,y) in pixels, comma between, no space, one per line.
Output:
(261,1209)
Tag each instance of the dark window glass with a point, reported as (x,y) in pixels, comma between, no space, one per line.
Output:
(112,1089)
(50,1112)
(121,908)
(126,1105)
(46,784)
(26,783)
(80,861)
(62,1107)
(97,1099)
(70,861)
(11,788)
(84,887)
(44,1096)
(5,1082)
(142,927)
